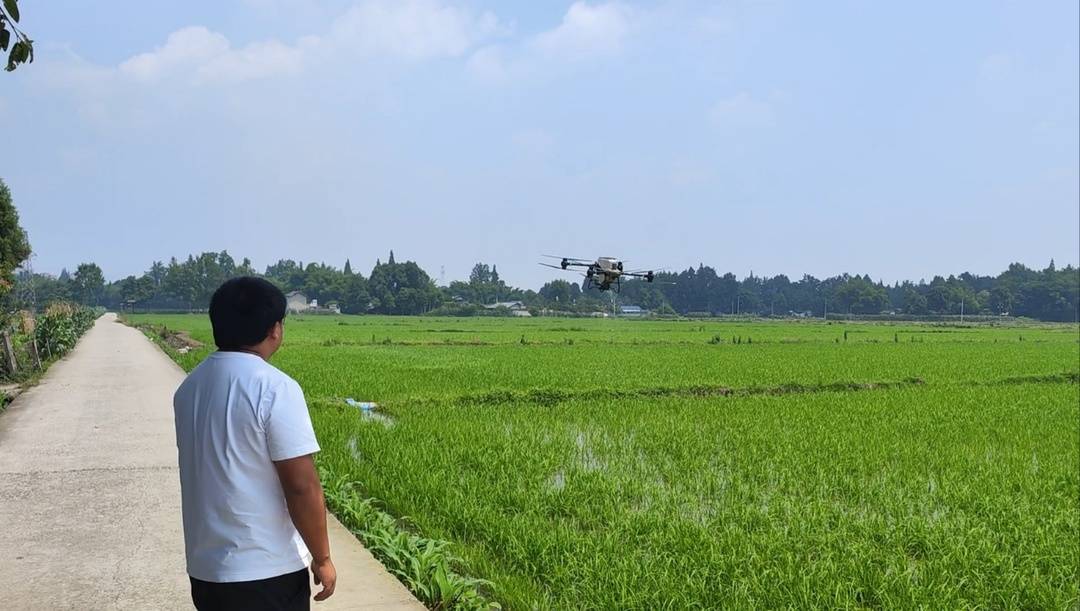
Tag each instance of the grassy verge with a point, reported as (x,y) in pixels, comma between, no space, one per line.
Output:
(426,566)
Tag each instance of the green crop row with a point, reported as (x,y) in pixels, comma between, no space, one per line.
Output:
(485,331)
(641,464)
(935,497)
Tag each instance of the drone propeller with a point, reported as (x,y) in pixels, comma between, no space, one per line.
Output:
(551,266)
(568,258)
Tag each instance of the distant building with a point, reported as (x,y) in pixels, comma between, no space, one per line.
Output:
(631,310)
(296,302)
(509,305)
(517,308)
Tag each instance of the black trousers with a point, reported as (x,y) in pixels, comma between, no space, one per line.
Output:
(290,592)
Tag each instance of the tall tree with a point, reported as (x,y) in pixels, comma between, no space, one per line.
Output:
(245,268)
(14,247)
(560,293)
(402,288)
(355,298)
(156,273)
(88,283)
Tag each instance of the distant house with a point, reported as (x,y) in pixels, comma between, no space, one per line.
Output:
(509,305)
(517,308)
(296,302)
(631,310)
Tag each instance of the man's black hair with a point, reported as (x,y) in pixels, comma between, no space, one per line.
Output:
(243,310)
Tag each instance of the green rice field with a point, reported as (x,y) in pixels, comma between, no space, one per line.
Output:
(637,464)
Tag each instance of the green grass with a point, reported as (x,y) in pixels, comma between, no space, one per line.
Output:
(829,499)
(580,463)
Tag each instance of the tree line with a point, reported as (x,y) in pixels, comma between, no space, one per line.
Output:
(1049,294)
(187,285)
(405,288)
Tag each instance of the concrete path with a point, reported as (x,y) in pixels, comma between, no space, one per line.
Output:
(90,495)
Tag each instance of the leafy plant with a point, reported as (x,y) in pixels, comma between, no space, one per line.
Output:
(60,327)
(422,564)
(23,50)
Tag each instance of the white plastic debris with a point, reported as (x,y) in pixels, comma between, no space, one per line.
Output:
(363,405)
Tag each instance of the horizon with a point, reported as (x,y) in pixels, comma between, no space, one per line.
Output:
(260,270)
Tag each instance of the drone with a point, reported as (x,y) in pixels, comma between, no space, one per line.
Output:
(605,273)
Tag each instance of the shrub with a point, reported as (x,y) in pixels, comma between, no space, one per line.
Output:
(61,326)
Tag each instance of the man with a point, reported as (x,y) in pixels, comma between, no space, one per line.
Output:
(254,513)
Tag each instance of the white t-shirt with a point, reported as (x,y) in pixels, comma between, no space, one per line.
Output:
(235,415)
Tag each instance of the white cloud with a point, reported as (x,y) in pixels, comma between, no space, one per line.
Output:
(412,29)
(587,30)
(404,29)
(742,111)
(186,47)
(257,60)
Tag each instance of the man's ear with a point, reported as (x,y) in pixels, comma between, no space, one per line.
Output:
(277,330)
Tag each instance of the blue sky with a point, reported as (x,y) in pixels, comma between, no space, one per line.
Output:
(896,139)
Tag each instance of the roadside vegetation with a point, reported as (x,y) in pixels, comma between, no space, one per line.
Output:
(33,333)
(573,463)
(427,566)
(38,341)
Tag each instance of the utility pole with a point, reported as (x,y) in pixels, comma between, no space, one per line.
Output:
(826,308)
(961,310)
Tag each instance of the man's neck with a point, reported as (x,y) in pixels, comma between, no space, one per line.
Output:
(253,350)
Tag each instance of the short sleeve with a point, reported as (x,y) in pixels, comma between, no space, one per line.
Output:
(288,425)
